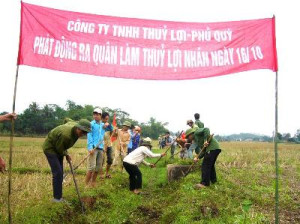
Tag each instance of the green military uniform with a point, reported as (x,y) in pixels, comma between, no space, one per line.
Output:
(201,135)
(55,147)
(199,123)
(195,126)
(210,155)
(60,139)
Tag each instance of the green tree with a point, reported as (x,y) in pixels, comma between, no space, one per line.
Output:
(36,120)
(279,136)
(153,128)
(297,136)
(286,136)
(121,116)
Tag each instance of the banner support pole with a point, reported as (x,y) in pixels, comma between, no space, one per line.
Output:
(13,133)
(276,153)
(11,147)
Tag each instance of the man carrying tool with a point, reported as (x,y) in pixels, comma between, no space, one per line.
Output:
(134,159)
(55,147)
(123,138)
(96,158)
(210,154)
(107,143)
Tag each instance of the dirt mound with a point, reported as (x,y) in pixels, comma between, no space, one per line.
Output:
(92,202)
(89,202)
(149,212)
(290,216)
(207,211)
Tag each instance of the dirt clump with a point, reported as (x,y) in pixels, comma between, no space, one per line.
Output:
(149,212)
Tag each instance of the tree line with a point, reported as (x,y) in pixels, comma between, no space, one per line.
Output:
(282,137)
(38,121)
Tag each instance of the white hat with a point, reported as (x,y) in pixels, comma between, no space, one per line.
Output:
(97,110)
(146,142)
(148,139)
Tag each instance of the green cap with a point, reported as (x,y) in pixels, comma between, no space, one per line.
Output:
(84,125)
(127,123)
(190,131)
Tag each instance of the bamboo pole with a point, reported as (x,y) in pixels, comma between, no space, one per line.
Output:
(276,153)
(11,149)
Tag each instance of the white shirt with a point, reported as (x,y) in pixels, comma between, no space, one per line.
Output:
(138,155)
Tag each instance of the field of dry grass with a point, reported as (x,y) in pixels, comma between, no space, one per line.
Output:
(245,169)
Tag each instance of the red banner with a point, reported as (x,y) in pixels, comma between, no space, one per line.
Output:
(143,49)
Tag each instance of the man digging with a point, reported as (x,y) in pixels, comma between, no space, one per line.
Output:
(55,147)
(200,137)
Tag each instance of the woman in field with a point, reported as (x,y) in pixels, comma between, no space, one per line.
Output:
(134,159)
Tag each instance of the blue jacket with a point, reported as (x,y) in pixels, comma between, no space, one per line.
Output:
(135,141)
(96,135)
(130,143)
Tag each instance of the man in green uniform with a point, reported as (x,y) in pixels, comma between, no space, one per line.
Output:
(55,147)
(200,137)
(197,121)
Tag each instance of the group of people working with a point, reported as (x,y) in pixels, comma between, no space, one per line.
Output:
(197,143)
(199,139)
(100,142)
(129,149)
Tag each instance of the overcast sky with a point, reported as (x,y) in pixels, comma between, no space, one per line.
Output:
(242,102)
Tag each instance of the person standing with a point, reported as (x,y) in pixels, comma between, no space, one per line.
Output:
(197,121)
(95,148)
(55,147)
(210,155)
(170,143)
(5,117)
(107,143)
(123,138)
(136,138)
(134,159)
(131,132)
(192,147)
(160,139)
